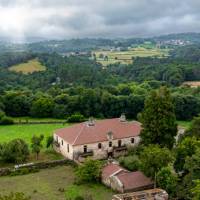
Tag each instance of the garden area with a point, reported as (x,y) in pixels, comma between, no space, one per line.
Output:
(53,184)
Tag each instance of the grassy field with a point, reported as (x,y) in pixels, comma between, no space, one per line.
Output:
(125,57)
(46,185)
(29,67)
(26,132)
(192,83)
(184,124)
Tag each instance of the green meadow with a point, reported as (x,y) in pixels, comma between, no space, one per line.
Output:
(28,67)
(27,131)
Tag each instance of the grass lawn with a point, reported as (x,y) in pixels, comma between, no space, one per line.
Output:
(26,132)
(45,185)
(184,124)
(28,67)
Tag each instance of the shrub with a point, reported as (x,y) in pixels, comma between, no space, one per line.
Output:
(79,198)
(49,141)
(90,171)
(131,163)
(6,121)
(76,118)
(14,196)
(16,151)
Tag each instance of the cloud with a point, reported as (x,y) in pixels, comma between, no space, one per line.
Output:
(56,19)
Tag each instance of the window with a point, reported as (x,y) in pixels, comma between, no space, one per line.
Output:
(99,145)
(132,140)
(67,147)
(110,144)
(85,148)
(119,143)
(62,142)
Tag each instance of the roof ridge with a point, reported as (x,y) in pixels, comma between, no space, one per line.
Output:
(79,133)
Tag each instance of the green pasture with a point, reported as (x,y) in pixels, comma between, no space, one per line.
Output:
(28,67)
(27,131)
(127,57)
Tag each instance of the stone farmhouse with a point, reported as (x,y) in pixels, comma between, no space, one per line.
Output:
(122,180)
(98,139)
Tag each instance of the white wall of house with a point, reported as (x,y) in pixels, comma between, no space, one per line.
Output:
(65,148)
(70,151)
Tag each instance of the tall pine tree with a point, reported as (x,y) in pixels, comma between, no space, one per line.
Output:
(158,119)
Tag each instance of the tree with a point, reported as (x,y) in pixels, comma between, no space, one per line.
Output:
(36,144)
(167,180)
(16,151)
(192,165)
(196,190)
(153,158)
(186,106)
(195,127)
(158,119)
(90,171)
(14,196)
(42,107)
(186,148)
(49,141)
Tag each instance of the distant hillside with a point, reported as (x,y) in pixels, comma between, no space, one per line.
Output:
(192,37)
(91,44)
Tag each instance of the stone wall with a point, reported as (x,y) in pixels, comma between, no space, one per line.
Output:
(39,165)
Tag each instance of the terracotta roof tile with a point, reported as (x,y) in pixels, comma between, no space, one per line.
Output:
(110,169)
(83,134)
(133,180)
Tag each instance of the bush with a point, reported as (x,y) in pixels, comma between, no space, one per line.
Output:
(131,163)
(16,151)
(6,121)
(23,171)
(14,196)
(76,118)
(90,171)
(79,198)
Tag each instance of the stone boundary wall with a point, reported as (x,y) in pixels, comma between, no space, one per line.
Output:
(52,122)
(39,165)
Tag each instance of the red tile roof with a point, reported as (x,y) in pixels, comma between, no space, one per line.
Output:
(111,169)
(134,180)
(84,134)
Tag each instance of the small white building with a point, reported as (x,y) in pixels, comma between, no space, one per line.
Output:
(99,139)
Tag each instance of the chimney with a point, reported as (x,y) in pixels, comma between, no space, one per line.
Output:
(122,118)
(91,121)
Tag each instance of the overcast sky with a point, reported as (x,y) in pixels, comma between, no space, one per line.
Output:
(97,18)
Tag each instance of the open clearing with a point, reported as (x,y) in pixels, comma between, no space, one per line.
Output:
(28,67)
(127,57)
(184,124)
(26,132)
(45,185)
(192,83)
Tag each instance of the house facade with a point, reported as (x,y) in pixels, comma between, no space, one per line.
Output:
(99,139)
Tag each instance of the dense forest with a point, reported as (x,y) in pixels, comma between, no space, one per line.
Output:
(77,84)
